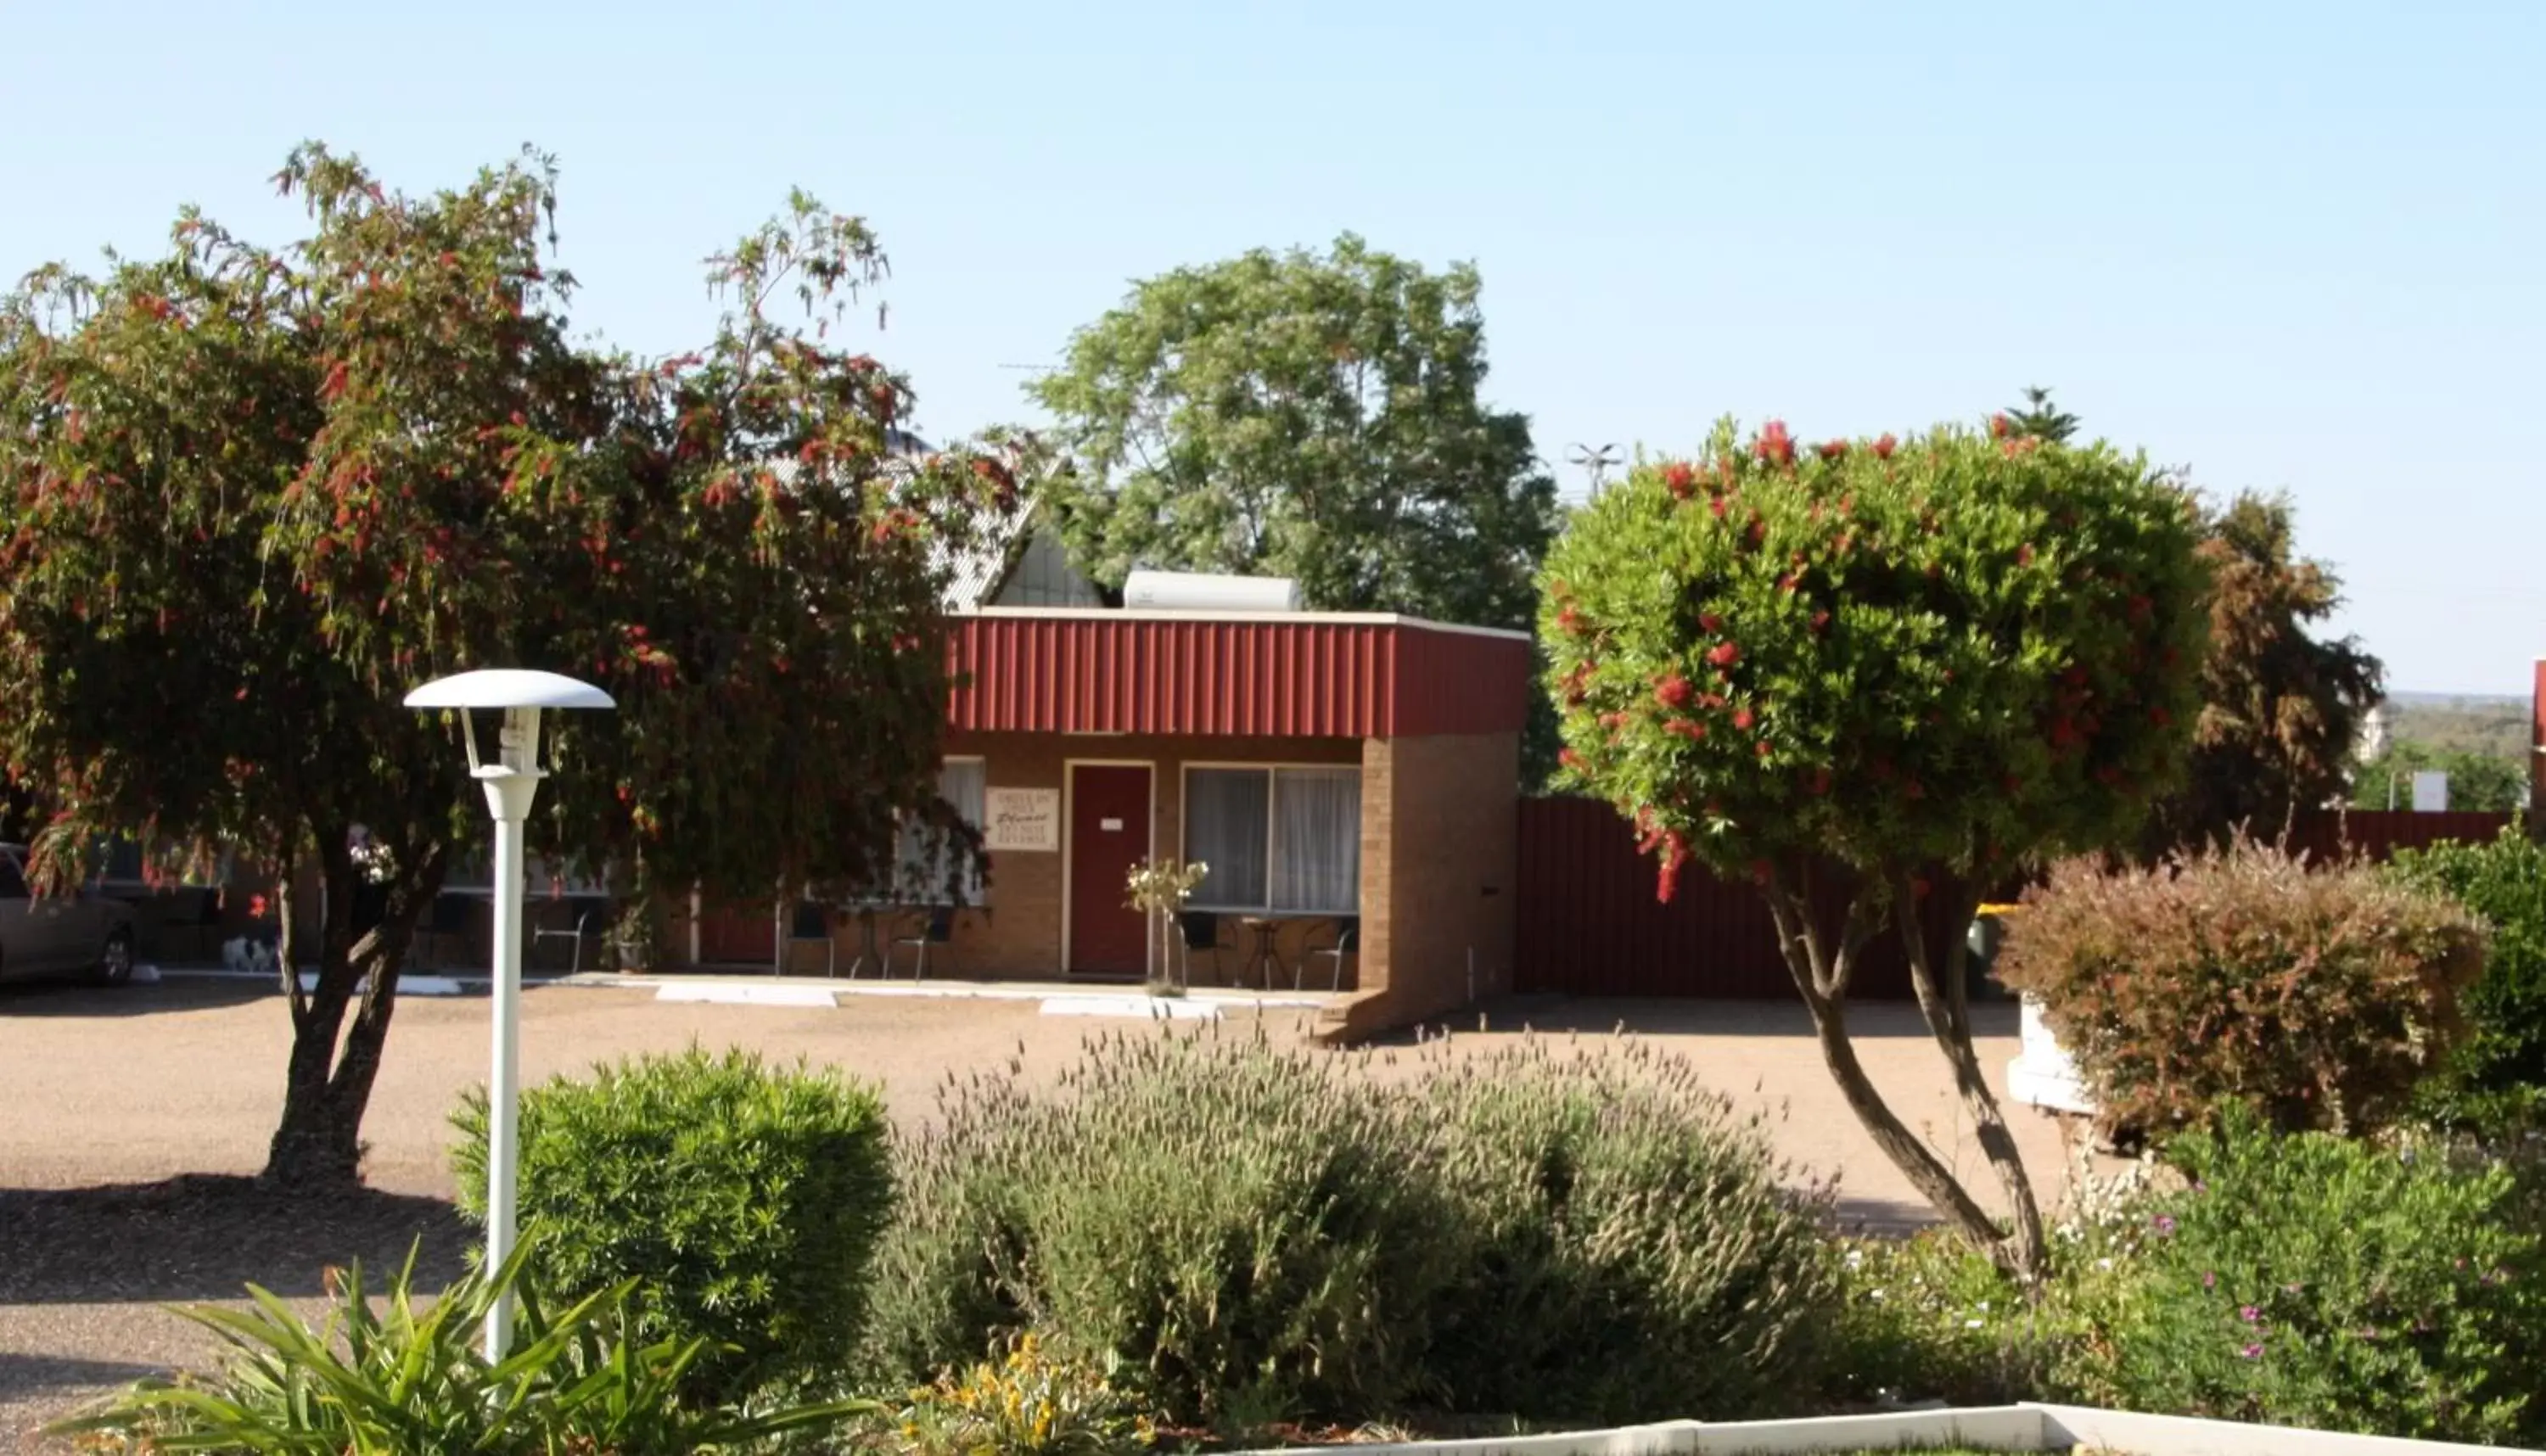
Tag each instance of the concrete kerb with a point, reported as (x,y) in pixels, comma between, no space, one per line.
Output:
(758,988)
(2023,1428)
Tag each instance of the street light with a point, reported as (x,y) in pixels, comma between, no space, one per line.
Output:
(512,781)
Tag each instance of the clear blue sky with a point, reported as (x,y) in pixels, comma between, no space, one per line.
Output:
(2288,244)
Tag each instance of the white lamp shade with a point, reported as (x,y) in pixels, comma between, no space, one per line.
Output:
(508,687)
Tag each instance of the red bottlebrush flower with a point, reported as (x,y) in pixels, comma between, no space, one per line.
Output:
(1708,621)
(1787,583)
(1567,759)
(256,906)
(1884,445)
(1568,620)
(1718,505)
(1722,654)
(1820,621)
(1742,718)
(1833,449)
(1764,748)
(335,382)
(1675,855)
(1613,721)
(1758,531)
(1774,445)
(1680,478)
(2000,426)
(1688,729)
(1671,691)
(2024,555)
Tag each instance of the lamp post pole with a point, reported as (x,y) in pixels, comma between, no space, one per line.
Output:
(512,783)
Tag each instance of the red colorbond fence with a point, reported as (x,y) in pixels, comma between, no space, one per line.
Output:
(1589,925)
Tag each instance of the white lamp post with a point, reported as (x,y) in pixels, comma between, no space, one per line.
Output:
(512,781)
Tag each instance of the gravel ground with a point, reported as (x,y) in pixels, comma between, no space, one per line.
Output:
(134,1118)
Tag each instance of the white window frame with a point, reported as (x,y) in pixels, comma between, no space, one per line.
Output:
(1272,832)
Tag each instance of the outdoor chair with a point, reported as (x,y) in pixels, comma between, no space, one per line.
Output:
(576,920)
(936,927)
(446,922)
(1200,930)
(812,923)
(1347,942)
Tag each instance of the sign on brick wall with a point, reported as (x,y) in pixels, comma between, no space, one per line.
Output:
(1027,819)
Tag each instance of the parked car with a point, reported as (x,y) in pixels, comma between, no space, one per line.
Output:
(85,934)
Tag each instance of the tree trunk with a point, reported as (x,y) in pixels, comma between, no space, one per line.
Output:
(326,1088)
(1947,1009)
(1821,971)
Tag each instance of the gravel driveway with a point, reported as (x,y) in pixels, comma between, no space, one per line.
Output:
(135,1116)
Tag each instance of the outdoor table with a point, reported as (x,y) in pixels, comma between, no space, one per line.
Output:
(1266,952)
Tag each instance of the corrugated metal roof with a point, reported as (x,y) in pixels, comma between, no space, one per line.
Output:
(1303,675)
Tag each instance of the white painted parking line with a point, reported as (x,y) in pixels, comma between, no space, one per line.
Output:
(744,993)
(1148,1008)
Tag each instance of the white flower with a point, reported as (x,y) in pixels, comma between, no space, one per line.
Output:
(1971,1323)
(1875,1295)
(2103,1263)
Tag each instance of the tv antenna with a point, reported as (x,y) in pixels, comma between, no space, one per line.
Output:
(1595,464)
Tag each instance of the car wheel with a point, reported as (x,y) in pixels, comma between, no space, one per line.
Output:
(115,966)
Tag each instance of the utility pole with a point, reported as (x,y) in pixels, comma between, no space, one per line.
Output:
(1594,463)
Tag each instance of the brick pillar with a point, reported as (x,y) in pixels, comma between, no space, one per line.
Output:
(1440,834)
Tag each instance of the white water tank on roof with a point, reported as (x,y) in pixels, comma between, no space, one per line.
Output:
(1194,591)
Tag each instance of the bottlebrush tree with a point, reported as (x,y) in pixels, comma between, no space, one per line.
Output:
(1870,674)
(249,497)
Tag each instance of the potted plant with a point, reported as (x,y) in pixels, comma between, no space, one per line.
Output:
(1158,889)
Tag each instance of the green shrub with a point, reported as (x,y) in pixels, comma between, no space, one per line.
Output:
(1248,1232)
(745,1201)
(1932,1317)
(1253,1233)
(2502,1063)
(2320,1281)
(2317,996)
(409,1376)
(1633,1251)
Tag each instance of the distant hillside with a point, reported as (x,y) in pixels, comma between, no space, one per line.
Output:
(2494,727)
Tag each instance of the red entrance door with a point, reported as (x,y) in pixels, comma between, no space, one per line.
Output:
(1109,833)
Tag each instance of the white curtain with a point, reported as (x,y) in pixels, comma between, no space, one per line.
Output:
(924,856)
(1316,839)
(1224,822)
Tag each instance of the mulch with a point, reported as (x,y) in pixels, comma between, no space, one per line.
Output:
(207,1238)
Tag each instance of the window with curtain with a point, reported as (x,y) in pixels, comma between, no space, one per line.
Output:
(1227,812)
(1279,839)
(924,857)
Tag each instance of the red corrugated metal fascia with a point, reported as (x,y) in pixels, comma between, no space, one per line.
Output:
(1309,678)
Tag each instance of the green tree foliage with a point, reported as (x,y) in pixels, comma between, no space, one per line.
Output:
(2503,1057)
(1872,672)
(2040,419)
(2487,782)
(248,496)
(1309,415)
(2280,709)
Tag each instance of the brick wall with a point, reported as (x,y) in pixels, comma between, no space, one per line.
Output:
(1438,814)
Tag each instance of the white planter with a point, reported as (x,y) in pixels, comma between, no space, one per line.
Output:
(2042,1074)
(2026,1427)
